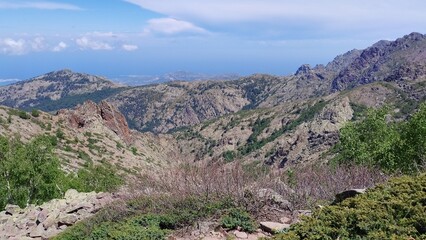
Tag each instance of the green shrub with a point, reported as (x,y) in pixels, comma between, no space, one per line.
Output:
(147,217)
(24,115)
(99,178)
(395,210)
(392,146)
(238,218)
(29,172)
(35,113)
(229,156)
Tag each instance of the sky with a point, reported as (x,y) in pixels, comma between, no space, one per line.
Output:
(116,38)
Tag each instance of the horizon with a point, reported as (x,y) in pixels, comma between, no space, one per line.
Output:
(140,37)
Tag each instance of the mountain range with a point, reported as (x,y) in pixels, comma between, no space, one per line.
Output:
(273,120)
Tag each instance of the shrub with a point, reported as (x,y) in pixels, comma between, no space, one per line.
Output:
(236,218)
(35,113)
(31,173)
(24,115)
(395,210)
(375,141)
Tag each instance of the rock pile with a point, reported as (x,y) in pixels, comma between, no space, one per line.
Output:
(50,218)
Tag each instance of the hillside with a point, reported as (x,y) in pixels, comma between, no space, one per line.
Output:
(56,90)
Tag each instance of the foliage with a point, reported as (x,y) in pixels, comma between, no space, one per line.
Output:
(395,210)
(153,217)
(254,144)
(229,156)
(99,178)
(392,146)
(35,113)
(49,105)
(238,218)
(31,173)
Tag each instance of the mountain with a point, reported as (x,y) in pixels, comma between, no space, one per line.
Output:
(403,59)
(138,80)
(56,88)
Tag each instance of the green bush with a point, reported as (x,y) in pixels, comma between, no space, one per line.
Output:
(392,146)
(238,218)
(35,113)
(148,217)
(24,115)
(31,173)
(395,210)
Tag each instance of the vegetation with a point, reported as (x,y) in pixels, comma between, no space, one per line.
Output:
(49,105)
(377,141)
(153,218)
(238,218)
(31,173)
(391,211)
(254,144)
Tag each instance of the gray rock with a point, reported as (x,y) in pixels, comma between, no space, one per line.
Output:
(68,219)
(37,232)
(240,235)
(273,227)
(71,194)
(12,209)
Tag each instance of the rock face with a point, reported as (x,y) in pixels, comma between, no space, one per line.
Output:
(49,219)
(403,59)
(89,113)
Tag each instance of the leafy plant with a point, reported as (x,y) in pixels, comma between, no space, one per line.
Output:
(236,218)
(391,211)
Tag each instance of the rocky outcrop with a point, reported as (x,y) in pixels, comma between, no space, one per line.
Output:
(402,59)
(90,113)
(50,218)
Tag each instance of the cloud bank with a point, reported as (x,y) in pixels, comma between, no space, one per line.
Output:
(38,5)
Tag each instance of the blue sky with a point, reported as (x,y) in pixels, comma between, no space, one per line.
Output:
(139,37)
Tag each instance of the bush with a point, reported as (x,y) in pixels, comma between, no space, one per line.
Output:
(392,146)
(31,173)
(35,113)
(236,218)
(24,115)
(395,210)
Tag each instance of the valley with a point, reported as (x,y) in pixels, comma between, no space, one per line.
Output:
(257,149)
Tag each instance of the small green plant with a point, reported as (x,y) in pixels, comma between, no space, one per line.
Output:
(229,156)
(134,151)
(35,113)
(60,134)
(238,218)
(24,115)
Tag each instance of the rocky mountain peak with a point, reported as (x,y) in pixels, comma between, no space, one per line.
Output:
(304,69)
(90,114)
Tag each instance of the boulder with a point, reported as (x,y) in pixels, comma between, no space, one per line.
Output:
(12,209)
(273,227)
(240,235)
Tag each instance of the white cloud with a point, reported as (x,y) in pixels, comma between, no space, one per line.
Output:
(129,47)
(87,43)
(60,47)
(328,14)
(9,80)
(13,47)
(42,5)
(37,44)
(103,34)
(171,26)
